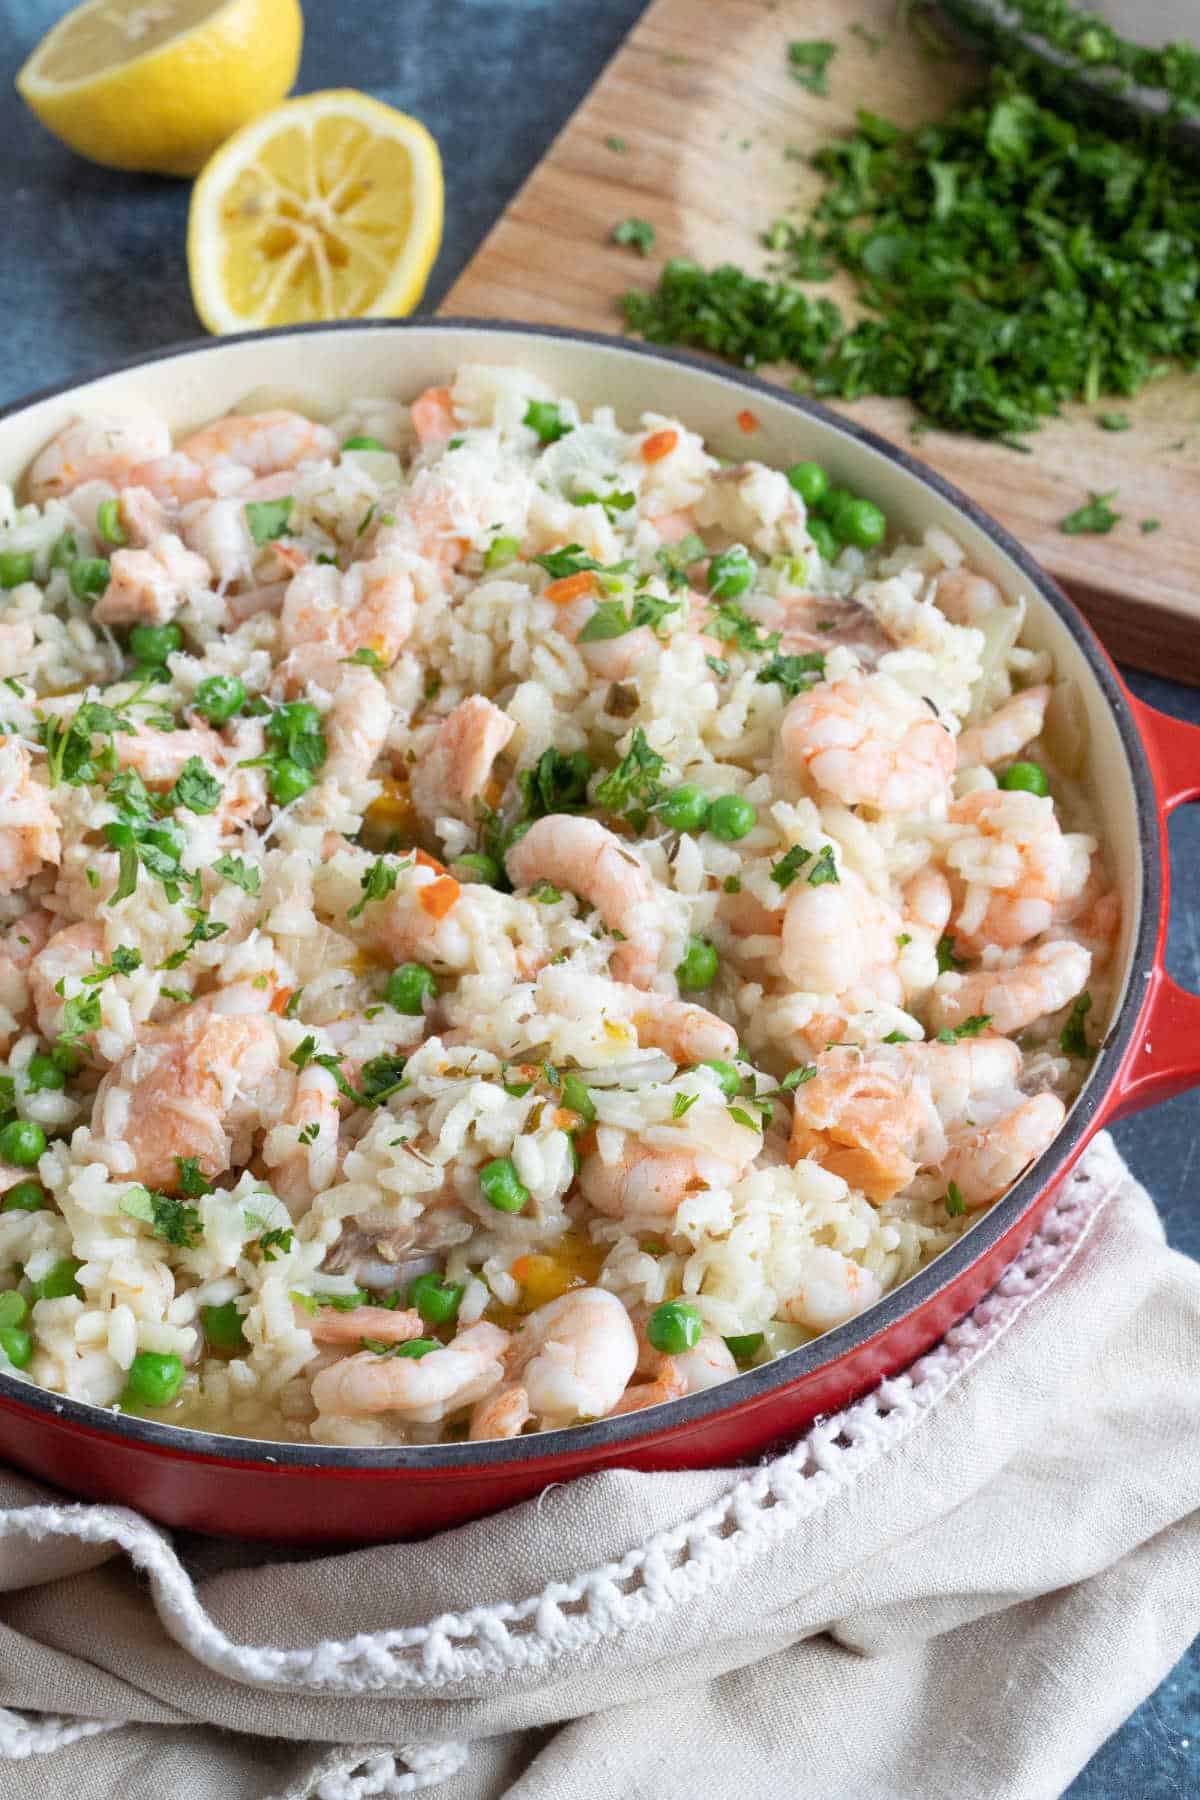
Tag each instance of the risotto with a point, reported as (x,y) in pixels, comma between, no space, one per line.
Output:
(507,918)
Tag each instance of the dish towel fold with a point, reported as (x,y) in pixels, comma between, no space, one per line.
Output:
(955,1590)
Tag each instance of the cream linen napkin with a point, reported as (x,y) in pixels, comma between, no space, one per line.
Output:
(956,1589)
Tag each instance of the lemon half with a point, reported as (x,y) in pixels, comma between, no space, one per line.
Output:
(329,207)
(158,84)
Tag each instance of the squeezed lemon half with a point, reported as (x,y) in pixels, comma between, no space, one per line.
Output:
(329,207)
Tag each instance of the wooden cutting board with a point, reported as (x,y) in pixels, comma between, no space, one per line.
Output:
(716,137)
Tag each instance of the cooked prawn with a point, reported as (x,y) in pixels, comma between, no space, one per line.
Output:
(1046,979)
(984,1164)
(1007,731)
(418,920)
(370,607)
(966,598)
(29,830)
(148,587)
(143,518)
(419,1389)
(302,1153)
(834,1288)
(263,442)
(647,1178)
(1010,860)
(839,935)
(20,943)
(453,773)
(861,1120)
(584,856)
(571,1360)
(330,1325)
(433,417)
(172,1095)
(928,901)
(708,1362)
(866,741)
(217,531)
(102,448)
(356,725)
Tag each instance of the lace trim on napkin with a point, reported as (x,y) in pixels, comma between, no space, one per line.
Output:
(706,1549)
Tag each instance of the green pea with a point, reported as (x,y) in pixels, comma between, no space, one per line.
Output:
(362,443)
(699,966)
(152,644)
(743,1348)
(731,817)
(809,480)
(409,987)
(288,781)
(14,1308)
(500,552)
(21,1143)
(727,1075)
(154,1379)
(730,573)
(42,1072)
(295,719)
(476,866)
(684,809)
(502,1186)
(832,502)
(17,1345)
(219,697)
(64,552)
(419,1347)
(437,1301)
(16,566)
(823,538)
(222,1326)
(674,1327)
(27,1196)
(88,576)
(59,1283)
(108,523)
(1026,778)
(862,524)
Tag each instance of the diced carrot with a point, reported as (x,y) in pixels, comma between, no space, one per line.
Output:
(439,896)
(658,445)
(747,421)
(429,862)
(570,587)
(280,1002)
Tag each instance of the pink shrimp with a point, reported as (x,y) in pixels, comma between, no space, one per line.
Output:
(708,1362)
(29,828)
(584,856)
(838,936)
(302,1154)
(1046,979)
(833,1288)
(148,587)
(20,943)
(433,417)
(866,741)
(860,1120)
(56,972)
(1010,860)
(649,1177)
(261,443)
(370,607)
(421,1389)
(172,1095)
(331,1325)
(1005,732)
(454,771)
(985,1163)
(102,448)
(571,1360)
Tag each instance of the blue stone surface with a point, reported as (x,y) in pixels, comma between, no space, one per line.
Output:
(94,272)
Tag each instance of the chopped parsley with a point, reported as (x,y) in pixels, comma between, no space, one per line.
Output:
(68,744)
(81,1014)
(242,875)
(733,625)
(788,867)
(613,504)
(382,1077)
(367,658)
(1113,421)
(797,1077)
(193,1183)
(572,559)
(635,234)
(676,559)
(610,620)
(808,61)
(955,1204)
(1096,517)
(616,144)
(175,1221)
(378,881)
(795,674)
(543,416)
(682,1103)
(947,960)
(971,1027)
(272,1242)
(196,788)
(633,787)
(1073,1041)
(545,893)
(294,732)
(125,960)
(558,782)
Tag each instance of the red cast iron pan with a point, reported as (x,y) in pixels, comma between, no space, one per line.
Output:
(1143,764)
